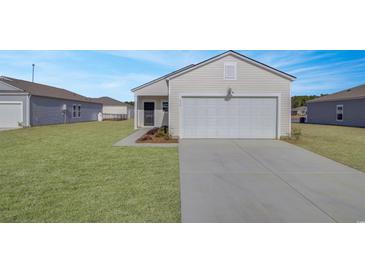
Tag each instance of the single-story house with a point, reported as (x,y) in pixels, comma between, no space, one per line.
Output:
(227,96)
(345,108)
(24,103)
(299,111)
(114,109)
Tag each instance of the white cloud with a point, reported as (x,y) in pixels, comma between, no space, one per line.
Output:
(333,67)
(173,59)
(330,71)
(317,72)
(117,86)
(286,59)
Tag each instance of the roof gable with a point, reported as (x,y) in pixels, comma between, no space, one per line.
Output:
(191,67)
(6,87)
(239,56)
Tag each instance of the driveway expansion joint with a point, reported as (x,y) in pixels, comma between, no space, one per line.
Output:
(285,181)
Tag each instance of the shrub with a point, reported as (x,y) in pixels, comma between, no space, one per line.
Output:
(152,131)
(296,133)
(146,138)
(161,133)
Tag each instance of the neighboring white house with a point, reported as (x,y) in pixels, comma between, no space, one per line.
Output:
(226,96)
(300,111)
(115,109)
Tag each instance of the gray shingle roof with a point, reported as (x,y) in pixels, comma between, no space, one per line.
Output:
(163,77)
(107,101)
(299,108)
(348,94)
(44,90)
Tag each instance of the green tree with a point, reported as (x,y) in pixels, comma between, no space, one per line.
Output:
(301,100)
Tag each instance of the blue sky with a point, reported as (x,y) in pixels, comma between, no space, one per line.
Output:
(114,73)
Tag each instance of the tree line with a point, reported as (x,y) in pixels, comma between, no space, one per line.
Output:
(301,100)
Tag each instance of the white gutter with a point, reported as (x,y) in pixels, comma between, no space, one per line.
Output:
(14,93)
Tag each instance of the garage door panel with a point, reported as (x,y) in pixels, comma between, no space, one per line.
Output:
(10,114)
(214,117)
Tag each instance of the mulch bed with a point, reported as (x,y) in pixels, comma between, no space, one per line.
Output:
(151,138)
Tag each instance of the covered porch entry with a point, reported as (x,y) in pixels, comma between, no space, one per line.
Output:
(151,111)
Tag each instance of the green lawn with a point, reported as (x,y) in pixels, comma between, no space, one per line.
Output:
(342,144)
(71,173)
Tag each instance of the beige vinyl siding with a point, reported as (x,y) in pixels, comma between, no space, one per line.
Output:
(159,88)
(161,118)
(209,79)
(115,110)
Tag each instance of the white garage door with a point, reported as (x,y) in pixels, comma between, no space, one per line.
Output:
(10,114)
(216,117)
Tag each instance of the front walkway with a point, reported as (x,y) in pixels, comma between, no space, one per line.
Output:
(266,181)
(130,141)
(6,129)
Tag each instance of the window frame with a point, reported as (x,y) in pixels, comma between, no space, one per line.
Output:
(163,107)
(74,111)
(339,112)
(78,112)
(226,64)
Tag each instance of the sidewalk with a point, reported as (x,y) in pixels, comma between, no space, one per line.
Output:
(130,141)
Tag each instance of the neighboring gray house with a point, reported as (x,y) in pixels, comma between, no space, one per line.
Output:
(226,96)
(24,103)
(345,108)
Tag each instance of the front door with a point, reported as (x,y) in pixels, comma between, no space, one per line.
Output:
(149,113)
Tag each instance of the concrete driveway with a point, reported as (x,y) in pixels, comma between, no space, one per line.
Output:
(4,129)
(266,181)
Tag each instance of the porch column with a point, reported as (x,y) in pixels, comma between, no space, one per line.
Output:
(135,111)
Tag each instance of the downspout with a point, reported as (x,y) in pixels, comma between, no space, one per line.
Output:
(135,111)
(28,110)
(168,101)
(290,106)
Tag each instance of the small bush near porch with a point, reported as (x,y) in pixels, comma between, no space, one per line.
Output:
(157,135)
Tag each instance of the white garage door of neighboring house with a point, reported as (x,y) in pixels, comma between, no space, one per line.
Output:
(242,117)
(10,114)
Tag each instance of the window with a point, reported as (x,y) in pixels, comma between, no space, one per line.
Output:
(230,71)
(165,106)
(79,111)
(339,112)
(74,111)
